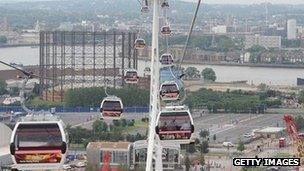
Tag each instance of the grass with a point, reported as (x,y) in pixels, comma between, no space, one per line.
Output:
(76,146)
(38,102)
(283,155)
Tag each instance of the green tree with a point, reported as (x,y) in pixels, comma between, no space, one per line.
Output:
(209,74)
(204,133)
(240,146)
(214,137)
(187,163)
(203,147)
(301,97)
(255,53)
(202,160)
(192,72)
(3,86)
(299,121)
(3,39)
(14,91)
(100,126)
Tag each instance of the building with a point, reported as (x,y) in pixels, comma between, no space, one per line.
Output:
(221,29)
(271,132)
(265,41)
(291,29)
(120,153)
(170,156)
(130,155)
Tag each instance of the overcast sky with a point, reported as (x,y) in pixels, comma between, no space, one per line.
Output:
(250,1)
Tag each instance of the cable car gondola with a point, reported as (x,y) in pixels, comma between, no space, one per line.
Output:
(131,76)
(147,71)
(166,30)
(166,59)
(139,44)
(38,144)
(165,4)
(175,123)
(169,90)
(144,9)
(111,107)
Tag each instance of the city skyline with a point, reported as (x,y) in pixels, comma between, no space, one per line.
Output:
(249,1)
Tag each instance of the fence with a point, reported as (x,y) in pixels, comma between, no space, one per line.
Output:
(72,109)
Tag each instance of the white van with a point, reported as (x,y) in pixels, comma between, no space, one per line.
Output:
(228,144)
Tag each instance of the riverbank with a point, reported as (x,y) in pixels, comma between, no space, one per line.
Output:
(261,65)
(19,45)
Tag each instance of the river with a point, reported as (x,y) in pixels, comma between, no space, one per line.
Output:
(255,75)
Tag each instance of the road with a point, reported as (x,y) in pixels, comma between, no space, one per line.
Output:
(226,130)
(223,125)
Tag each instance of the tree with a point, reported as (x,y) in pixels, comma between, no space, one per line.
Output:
(14,91)
(187,163)
(299,121)
(203,147)
(192,72)
(204,133)
(214,137)
(3,86)
(3,39)
(301,97)
(240,146)
(100,126)
(255,53)
(209,74)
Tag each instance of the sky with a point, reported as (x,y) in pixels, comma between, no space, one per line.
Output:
(250,1)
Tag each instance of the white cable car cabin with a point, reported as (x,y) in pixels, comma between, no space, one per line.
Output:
(144,9)
(147,71)
(166,30)
(139,44)
(111,107)
(166,60)
(39,144)
(175,124)
(169,90)
(131,76)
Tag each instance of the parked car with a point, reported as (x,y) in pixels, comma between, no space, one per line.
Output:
(66,167)
(248,135)
(81,164)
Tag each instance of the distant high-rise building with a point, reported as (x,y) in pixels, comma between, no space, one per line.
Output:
(291,29)
(265,41)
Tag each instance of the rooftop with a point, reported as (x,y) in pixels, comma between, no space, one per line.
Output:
(271,130)
(109,145)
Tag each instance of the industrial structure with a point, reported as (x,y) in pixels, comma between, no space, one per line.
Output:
(295,137)
(83,59)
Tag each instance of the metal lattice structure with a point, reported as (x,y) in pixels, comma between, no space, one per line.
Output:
(295,137)
(83,59)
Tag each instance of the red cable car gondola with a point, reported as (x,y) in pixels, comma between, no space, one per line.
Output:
(166,59)
(175,124)
(111,107)
(139,44)
(169,90)
(131,76)
(38,144)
